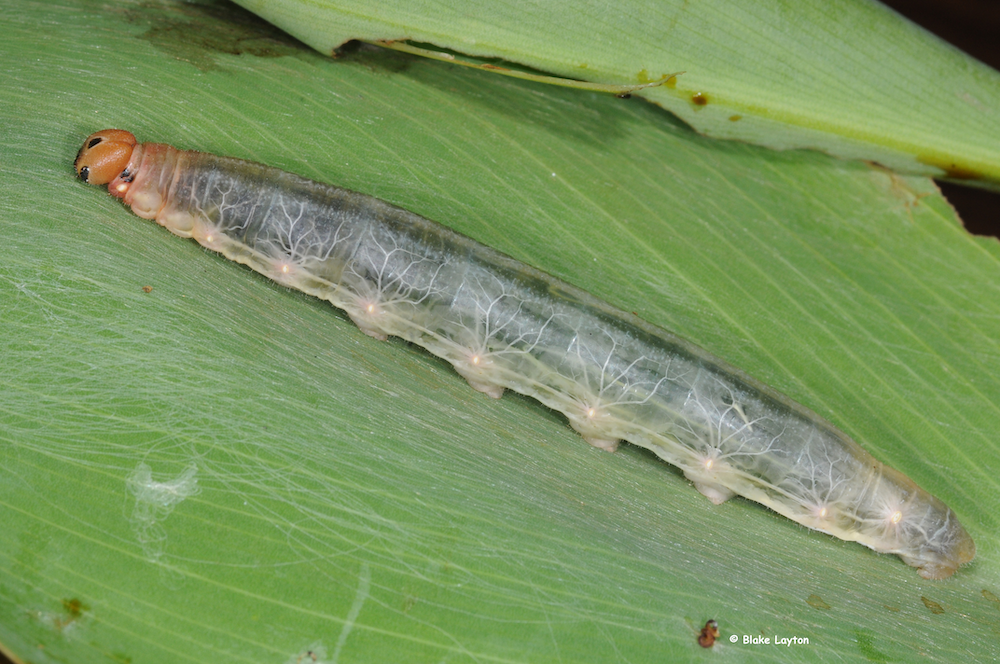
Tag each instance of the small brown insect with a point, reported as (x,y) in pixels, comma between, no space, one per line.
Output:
(147,289)
(709,633)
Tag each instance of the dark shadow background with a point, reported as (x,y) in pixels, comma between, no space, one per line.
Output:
(974,27)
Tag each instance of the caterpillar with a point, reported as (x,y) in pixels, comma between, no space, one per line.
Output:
(504,325)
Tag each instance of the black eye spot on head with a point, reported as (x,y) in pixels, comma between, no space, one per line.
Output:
(84,173)
(93,142)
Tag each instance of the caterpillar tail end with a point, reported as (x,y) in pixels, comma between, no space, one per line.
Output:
(940,566)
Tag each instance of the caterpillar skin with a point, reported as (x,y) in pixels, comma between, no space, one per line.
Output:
(504,325)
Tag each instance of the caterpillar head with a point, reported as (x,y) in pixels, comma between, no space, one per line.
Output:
(104,156)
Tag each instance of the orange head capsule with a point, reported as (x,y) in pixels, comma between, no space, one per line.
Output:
(104,156)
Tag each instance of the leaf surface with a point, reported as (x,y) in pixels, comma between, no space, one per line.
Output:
(355,499)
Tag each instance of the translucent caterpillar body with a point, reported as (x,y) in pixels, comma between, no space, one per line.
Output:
(504,325)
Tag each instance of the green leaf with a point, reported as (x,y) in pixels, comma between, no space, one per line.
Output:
(849,77)
(355,499)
